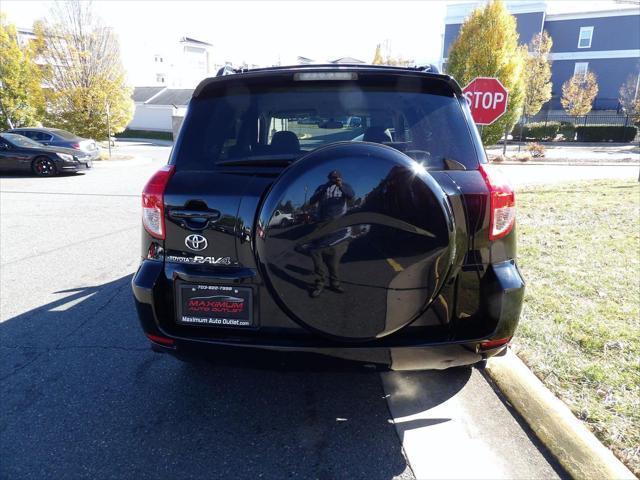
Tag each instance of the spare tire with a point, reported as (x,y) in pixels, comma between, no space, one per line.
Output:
(362,259)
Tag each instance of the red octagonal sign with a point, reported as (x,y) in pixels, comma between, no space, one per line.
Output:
(487,99)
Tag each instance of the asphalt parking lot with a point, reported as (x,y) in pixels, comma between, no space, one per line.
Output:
(84,397)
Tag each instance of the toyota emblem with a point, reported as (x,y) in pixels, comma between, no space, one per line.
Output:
(196,242)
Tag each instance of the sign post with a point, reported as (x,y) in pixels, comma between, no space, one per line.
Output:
(487,99)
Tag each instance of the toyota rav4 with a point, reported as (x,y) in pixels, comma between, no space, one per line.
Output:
(399,243)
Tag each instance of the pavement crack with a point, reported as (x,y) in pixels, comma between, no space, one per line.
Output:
(100,347)
(41,350)
(21,367)
(97,311)
(44,351)
(75,194)
(79,242)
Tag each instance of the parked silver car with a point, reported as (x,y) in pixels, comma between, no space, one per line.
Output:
(56,137)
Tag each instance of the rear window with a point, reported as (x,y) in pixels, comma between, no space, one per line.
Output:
(64,134)
(239,125)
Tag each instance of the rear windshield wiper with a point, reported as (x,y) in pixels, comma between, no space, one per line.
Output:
(261,161)
(453,164)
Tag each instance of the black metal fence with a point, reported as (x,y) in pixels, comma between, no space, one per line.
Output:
(592,118)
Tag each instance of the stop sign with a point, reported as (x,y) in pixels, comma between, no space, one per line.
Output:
(487,99)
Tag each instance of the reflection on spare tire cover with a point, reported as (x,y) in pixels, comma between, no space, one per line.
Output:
(369,246)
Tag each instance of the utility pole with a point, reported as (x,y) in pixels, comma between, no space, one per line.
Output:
(4,110)
(109,130)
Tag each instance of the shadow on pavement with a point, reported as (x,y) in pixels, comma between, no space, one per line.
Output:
(83,396)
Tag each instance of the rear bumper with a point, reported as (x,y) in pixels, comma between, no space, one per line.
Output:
(503,291)
(90,154)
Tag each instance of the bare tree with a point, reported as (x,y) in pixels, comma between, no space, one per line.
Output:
(630,96)
(78,46)
(84,73)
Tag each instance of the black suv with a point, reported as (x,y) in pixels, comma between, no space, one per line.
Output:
(389,241)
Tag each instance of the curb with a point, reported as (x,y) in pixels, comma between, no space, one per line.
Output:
(567,438)
(569,164)
(133,162)
(154,141)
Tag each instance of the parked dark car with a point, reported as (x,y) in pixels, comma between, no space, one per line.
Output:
(55,137)
(330,123)
(309,121)
(353,122)
(403,254)
(21,154)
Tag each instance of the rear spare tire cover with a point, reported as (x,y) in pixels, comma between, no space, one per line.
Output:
(379,241)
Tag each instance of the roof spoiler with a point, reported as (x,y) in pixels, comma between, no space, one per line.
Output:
(228,70)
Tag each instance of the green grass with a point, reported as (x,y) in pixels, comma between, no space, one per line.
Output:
(579,251)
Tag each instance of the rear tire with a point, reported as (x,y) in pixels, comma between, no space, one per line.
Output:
(44,167)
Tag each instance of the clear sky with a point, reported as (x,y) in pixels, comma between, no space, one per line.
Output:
(264,32)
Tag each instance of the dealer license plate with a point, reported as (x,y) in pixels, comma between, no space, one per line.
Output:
(215,306)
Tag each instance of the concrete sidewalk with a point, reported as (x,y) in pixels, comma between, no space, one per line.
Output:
(453,425)
(523,174)
(573,152)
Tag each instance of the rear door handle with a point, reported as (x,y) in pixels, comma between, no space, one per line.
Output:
(194,219)
(197,214)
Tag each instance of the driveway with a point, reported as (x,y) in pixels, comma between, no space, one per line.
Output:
(84,397)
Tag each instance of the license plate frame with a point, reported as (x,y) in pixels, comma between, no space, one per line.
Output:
(218,306)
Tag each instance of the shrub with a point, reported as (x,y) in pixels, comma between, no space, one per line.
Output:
(522,156)
(537,131)
(567,130)
(606,133)
(536,150)
(145,134)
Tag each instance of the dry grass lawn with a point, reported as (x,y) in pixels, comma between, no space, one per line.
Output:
(579,251)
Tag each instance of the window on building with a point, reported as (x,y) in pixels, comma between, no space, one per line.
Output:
(581,68)
(160,78)
(584,39)
(157,58)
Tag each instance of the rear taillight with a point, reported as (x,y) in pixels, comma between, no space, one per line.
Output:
(502,202)
(160,339)
(153,201)
(491,344)
(76,146)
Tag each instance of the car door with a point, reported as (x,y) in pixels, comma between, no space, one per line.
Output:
(8,157)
